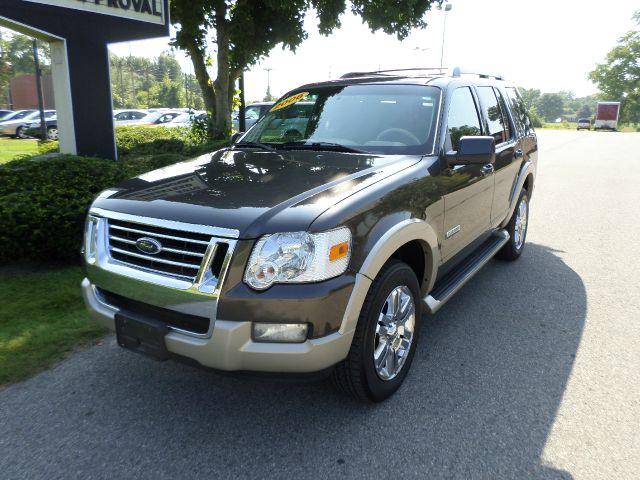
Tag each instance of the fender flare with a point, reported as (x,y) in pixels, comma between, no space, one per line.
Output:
(394,238)
(527,169)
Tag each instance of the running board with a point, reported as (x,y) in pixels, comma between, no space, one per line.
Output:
(449,285)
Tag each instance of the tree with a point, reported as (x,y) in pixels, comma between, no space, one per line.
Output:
(550,106)
(168,93)
(618,78)
(585,111)
(246,30)
(530,97)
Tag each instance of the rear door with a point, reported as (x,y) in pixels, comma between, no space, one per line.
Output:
(508,151)
(468,189)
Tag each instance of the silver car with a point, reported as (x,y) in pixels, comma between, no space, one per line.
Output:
(14,124)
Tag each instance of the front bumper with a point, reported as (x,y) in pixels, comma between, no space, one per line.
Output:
(230,347)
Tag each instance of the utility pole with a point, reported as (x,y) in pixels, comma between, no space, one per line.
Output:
(36,60)
(447,9)
(268,70)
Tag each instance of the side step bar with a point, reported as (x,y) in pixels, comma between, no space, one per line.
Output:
(449,285)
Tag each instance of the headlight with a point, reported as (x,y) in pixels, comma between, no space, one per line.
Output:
(298,257)
(90,244)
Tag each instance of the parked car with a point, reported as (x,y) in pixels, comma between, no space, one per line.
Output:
(186,119)
(253,113)
(128,117)
(14,125)
(5,113)
(33,129)
(159,117)
(584,124)
(319,255)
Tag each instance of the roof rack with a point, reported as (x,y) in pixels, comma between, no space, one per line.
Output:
(433,71)
(457,71)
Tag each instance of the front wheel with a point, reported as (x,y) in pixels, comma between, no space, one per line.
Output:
(20,133)
(386,336)
(517,228)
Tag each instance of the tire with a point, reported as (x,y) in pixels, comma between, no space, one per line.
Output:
(517,235)
(20,133)
(357,375)
(52,133)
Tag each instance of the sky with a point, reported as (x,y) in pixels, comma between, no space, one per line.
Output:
(550,45)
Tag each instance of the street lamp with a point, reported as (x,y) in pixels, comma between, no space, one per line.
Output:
(268,95)
(447,9)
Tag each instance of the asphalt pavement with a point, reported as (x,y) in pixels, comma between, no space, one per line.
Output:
(532,371)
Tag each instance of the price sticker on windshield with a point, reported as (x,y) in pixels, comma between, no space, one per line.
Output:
(289,101)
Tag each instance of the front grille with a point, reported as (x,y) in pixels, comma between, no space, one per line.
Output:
(181,255)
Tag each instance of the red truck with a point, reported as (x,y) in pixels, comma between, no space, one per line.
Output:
(607,115)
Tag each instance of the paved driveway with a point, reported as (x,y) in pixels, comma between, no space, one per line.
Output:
(531,372)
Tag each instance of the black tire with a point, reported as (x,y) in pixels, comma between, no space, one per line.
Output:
(356,375)
(511,251)
(20,133)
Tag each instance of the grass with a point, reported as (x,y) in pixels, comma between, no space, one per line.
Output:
(12,148)
(42,319)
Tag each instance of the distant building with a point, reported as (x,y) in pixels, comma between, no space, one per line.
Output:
(24,95)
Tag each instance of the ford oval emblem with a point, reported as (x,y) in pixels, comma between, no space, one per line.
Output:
(148,245)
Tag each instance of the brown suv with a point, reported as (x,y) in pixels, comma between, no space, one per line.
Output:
(316,242)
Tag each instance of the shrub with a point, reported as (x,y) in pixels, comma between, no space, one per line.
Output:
(131,136)
(43,202)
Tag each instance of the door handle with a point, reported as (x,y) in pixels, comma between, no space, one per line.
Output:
(487,169)
(518,154)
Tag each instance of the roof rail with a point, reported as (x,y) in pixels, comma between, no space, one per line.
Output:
(433,71)
(457,71)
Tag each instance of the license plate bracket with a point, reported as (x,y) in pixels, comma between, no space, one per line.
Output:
(142,335)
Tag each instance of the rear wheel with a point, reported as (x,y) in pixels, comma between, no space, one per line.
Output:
(517,228)
(386,336)
(20,133)
(52,133)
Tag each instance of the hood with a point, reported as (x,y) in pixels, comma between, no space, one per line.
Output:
(255,192)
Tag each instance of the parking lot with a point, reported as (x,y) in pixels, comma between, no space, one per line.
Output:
(532,371)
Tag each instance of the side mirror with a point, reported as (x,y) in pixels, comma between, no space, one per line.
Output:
(236,136)
(473,151)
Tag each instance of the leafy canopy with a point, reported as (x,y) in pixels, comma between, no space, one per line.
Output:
(618,78)
(244,31)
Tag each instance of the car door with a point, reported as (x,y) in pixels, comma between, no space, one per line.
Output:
(508,152)
(468,189)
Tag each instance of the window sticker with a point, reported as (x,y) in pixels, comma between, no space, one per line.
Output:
(289,101)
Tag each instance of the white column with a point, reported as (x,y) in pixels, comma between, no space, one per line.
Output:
(62,94)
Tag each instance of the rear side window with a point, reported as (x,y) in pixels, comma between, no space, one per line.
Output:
(519,112)
(498,121)
(462,119)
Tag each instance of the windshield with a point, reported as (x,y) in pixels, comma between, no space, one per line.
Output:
(18,115)
(151,117)
(388,119)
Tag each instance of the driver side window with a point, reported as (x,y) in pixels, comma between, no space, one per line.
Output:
(462,119)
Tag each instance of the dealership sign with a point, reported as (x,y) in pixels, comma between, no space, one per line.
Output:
(151,11)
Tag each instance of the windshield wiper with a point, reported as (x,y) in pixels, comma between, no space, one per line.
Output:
(260,145)
(319,146)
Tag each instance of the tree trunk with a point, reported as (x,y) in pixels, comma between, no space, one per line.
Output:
(200,71)
(221,84)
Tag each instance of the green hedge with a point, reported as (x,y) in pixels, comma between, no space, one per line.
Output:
(43,202)
(129,137)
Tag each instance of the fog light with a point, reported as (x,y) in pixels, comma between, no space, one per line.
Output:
(280,332)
